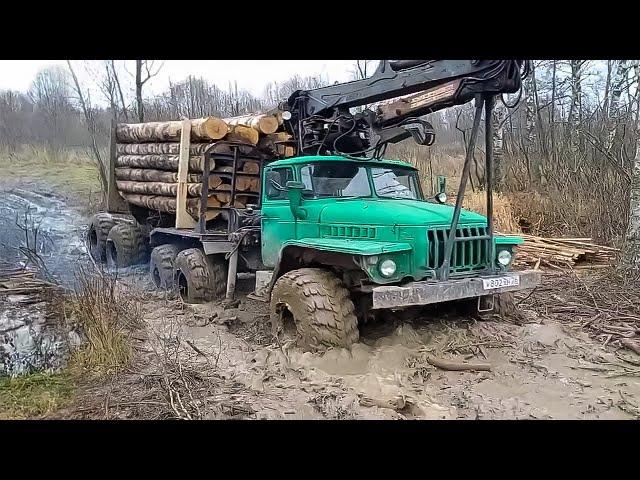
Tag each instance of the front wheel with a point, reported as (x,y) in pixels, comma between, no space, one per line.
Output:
(318,305)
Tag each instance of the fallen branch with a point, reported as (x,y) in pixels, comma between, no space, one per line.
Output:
(452,365)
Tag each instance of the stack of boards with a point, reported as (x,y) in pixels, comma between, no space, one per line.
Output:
(148,155)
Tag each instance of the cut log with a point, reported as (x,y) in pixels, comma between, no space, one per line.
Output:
(159,203)
(209,128)
(150,175)
(157,188)
(242,134)
(247,184)
(261,123)
(251,167)
(158,162)
(445,364)
(159,148)
(286,150)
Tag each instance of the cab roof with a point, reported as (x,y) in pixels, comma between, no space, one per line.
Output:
(334,158)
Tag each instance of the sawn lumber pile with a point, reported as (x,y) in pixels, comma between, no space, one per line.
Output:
(148,156)
(564,252)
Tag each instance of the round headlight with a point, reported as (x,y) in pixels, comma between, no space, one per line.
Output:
(441,197)
(387,268)
(286,115)
(504,257)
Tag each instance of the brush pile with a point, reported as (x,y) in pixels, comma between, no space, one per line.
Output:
(148,154)
(605,304)
(32,337)
(559,253)
(18,280)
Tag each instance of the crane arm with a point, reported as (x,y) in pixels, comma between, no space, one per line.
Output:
(322,122)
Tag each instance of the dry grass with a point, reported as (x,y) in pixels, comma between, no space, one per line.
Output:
(107,316)
(71,172)
(504,218)
(33,396)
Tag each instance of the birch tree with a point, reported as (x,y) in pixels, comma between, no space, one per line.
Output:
(620,75)
(499,117)
(631,257)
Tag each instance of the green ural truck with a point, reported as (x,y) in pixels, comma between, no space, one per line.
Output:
(332,241)
(333,236)
(346,237)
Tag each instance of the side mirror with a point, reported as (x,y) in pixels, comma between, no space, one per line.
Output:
(441,196)
(294,192)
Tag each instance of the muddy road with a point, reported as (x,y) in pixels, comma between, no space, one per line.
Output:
(540,368)
(36,218)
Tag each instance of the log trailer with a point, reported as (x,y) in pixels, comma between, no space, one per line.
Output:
(336,233)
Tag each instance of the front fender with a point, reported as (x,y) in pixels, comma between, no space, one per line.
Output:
(346,249)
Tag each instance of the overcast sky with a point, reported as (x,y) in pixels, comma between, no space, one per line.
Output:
(251,75)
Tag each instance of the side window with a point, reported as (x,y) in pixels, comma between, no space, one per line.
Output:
(276,182)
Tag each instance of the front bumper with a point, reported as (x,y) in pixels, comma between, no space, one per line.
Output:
(424,293)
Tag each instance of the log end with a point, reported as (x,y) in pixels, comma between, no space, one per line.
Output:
(268,124)
(215,128)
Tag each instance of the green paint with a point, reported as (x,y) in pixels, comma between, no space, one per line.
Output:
(365,226)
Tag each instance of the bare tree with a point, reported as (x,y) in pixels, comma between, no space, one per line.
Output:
(145,71)
(91,124)
(49,92)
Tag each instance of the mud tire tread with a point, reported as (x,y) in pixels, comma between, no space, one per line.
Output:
(205,274)
(101,223)
(130,244)
(163,258)
(323,311)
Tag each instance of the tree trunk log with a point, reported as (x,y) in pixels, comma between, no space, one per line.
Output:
(150,175)
(159,148)
(452,365)
(247,184)
(209,128)
(159,203)
(157,188)
(261,123)
(159,162)
(251,167)
(240,133)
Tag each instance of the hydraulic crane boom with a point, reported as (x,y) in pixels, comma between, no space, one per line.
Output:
(321,120)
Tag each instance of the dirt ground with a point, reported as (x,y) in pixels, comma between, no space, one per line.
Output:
(212,362)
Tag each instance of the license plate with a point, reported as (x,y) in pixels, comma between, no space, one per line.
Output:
(499,282)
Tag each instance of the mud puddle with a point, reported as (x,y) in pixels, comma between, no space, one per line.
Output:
(38,229)
(44,223)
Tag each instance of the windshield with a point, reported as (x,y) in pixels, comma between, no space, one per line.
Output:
(395,182)
(334,179)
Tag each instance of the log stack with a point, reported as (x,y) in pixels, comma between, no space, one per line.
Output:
(148,156)
(560,253)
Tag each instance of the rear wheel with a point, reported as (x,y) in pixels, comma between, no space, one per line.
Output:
(200,278)
(161,265)
(99,227)
(126,246)
(314,306)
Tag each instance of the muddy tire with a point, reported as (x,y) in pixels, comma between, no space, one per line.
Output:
(99,227)
(320,307)
(126,246)
(200,278)
(161,265)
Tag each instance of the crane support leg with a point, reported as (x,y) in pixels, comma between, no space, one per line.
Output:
(448,248)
